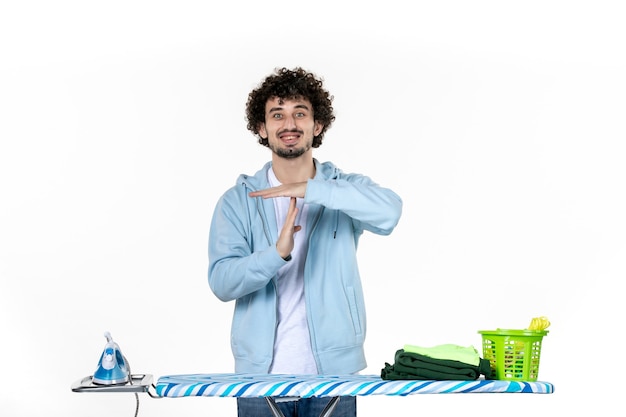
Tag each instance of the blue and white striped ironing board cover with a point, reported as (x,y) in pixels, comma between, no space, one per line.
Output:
(305,386)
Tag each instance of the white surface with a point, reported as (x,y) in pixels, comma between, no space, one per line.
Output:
(500,124)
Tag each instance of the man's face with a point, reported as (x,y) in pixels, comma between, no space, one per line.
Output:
(289,126)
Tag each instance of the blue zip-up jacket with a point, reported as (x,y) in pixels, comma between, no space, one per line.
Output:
(243,262)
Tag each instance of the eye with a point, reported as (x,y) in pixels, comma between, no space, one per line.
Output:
(277,116)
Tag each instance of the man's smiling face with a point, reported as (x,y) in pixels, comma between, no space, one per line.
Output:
(289,126)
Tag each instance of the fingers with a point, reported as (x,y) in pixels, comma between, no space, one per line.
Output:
(285,190)
(266,193)
(292,213)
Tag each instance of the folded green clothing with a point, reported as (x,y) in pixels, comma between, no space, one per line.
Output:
(410,365)
(391,372)
(465,354)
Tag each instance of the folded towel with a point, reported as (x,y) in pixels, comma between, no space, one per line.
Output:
(409,365)
(463,354)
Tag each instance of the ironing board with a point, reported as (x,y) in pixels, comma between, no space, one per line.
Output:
(276,387)
(281,387)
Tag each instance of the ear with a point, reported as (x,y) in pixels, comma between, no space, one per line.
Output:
(262,131)
(318,128)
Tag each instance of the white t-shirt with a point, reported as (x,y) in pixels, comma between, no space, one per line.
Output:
(292,346)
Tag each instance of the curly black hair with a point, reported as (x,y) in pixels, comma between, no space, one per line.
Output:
(289,84)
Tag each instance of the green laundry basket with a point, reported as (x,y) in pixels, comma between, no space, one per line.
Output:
(513,354)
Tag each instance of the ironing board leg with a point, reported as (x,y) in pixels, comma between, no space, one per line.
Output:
(330,407)
(273,407)
(326,412)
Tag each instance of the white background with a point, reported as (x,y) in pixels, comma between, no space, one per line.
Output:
(500,124)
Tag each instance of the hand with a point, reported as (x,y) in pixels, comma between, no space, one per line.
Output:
(284,245)
(297,189)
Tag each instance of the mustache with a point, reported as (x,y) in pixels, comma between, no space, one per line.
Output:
(290,131)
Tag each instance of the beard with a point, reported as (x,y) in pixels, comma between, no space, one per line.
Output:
(291,152)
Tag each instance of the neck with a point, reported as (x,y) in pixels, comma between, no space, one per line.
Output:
(290,171)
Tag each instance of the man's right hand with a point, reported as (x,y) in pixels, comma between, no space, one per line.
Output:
(284,245)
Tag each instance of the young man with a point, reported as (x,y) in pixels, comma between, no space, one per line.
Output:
(283,245)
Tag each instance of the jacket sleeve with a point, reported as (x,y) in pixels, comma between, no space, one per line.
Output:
(234,269)
(371,206)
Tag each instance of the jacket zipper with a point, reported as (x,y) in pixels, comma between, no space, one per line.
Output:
(259,206)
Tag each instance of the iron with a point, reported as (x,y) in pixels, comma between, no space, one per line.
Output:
(112,368)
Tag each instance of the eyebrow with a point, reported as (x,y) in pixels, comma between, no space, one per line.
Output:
(297,106)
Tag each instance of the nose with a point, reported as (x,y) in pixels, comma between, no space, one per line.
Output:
(289,122)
